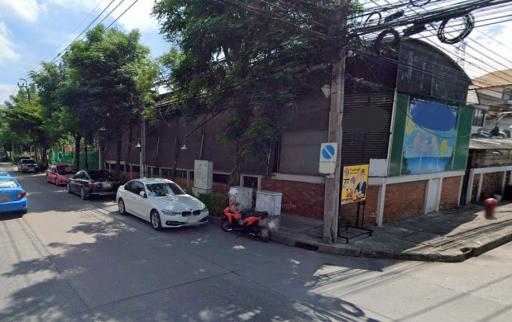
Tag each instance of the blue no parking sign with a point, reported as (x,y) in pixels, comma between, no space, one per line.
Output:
(328,154)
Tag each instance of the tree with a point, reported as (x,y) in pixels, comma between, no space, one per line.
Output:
(111,77)
(22,121)
(248,59)
(57,122)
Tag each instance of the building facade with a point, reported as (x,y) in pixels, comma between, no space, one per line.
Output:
(392,105)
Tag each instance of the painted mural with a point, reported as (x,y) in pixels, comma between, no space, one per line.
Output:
(430,136)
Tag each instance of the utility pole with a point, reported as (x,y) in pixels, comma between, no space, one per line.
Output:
(335,133)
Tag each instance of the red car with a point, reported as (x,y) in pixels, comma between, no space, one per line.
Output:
(59,174)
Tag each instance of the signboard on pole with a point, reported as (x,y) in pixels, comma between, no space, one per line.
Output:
(328,155)
(354,183)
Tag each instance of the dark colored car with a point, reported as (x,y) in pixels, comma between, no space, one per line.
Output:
(27,165)
(93,183)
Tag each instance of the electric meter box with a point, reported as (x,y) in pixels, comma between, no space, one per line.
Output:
(269,201)
(242,196)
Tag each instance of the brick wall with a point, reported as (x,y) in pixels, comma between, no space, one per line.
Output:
(349,212)
(301,198)
(450,193)
(491,184)
(404,200)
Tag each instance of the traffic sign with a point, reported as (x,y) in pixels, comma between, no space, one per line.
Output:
(328,156)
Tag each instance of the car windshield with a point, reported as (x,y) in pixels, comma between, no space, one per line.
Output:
(66,170)
(27,161)
(100,175)
(8,183)
(164,189)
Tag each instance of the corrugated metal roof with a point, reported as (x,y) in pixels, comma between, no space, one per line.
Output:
(490,144)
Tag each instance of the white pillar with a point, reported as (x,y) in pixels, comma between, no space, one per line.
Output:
(503,183)
(469,190)
(380,204)
(439,191)
(479,191)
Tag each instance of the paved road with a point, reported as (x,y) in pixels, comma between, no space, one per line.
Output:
(70,260)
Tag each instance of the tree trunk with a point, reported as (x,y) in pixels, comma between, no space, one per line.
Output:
(177,150)
(119,146)
(234,178)
(86,157)
(78,138)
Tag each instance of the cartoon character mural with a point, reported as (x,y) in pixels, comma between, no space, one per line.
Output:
(430,136)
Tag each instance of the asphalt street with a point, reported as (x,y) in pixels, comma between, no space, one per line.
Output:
(74,260)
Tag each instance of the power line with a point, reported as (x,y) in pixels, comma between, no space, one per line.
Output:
(87,28)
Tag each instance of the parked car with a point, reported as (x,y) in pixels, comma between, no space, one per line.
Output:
(59,174)
(27,165)
(13,198)
(92,183)
(161,202)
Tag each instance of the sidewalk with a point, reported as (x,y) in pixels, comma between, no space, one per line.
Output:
(449,236)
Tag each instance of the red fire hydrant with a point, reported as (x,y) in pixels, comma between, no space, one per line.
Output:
(490,206)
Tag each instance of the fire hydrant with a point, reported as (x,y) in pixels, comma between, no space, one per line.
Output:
(490,206)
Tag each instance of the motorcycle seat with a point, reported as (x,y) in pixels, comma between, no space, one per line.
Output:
(252,213)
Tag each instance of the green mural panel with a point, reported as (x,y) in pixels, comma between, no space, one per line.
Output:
(402,102)
(68,157)
(463,136)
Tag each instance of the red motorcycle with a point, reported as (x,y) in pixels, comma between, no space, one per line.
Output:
(247,222)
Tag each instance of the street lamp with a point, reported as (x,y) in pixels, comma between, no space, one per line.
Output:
(141,166)
(23,84)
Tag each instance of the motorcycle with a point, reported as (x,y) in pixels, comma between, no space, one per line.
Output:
(249,222)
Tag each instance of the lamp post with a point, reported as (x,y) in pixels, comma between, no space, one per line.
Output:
(141,165)
(22,83)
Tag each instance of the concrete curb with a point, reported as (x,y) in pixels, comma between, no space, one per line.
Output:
(448,256)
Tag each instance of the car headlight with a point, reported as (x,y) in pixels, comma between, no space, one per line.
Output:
(205,209)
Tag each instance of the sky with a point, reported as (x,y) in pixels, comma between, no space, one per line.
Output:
(32,31)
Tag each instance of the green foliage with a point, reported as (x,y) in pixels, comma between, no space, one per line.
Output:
(215,202)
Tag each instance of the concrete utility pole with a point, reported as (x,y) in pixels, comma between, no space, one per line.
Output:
(335,134)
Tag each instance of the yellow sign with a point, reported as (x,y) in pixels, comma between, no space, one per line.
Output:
(354,184)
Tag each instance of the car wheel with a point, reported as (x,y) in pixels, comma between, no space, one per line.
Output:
(155,220)
(121,207)
(83,195)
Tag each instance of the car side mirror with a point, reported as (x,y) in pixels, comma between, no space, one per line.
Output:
(142,194)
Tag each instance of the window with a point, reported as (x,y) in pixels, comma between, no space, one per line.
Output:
(507,94)
(166,173)
(181,174)
(138,187)
(99,175)
(251,182)
(478,117)
(9,183)
(164,189)
(220,178)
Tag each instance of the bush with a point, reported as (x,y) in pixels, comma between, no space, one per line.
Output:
(215,202)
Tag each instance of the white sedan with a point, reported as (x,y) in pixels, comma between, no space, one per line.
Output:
(161,202)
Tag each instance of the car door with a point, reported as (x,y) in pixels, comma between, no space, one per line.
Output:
(140,204)
(51,174)
(128,197)
(75,183)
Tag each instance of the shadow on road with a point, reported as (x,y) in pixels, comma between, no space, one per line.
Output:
(111,267)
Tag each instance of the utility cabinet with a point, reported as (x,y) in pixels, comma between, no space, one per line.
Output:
(242,196)
(269,201)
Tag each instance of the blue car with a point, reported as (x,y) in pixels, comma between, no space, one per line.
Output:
(13,198)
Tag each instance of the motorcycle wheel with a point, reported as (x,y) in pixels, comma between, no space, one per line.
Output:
(225,225)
